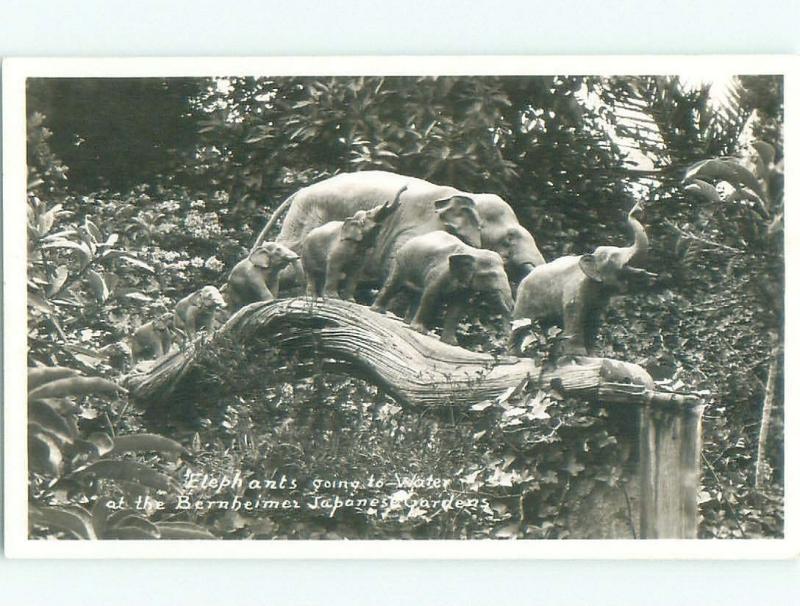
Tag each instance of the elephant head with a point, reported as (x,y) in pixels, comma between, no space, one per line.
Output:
(162,322)
(272,255)
(209,297)
(612,266)
(458,215)
(518,251)
(364,225)
(502,233)
(483,273)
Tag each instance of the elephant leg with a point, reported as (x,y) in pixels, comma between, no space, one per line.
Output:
(452,317)
(350,284)
(259,287)
(208,320)
(167,343)
(330,290)
(190,326)
(575,316)
(314,282)
(387,293)
(272,285)
(591,328)
(311,287)
(411,307)
(291,275)
(428,304)
(338,259)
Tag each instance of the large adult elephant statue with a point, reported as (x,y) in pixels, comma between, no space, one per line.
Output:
(480,220)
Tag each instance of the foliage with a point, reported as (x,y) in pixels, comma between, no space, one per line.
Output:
(117,132)
(83,484)
(528,139)
(529,464)
(716,322)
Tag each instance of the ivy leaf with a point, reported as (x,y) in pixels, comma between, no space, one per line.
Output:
(539,404)
(481,405)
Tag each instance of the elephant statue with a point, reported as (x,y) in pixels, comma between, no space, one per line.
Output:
(198,311)
(480,220)
(255,278)
(573,291)
(334,254)
(442,270)
(151,340)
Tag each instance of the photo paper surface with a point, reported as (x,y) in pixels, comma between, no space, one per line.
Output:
(397,307)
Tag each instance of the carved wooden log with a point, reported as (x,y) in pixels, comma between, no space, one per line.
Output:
(415,369)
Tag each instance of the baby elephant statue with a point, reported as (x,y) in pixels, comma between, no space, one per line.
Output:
(255,278)
(443,270)
(152,339)
(198,311)
(334,253)
(573,291)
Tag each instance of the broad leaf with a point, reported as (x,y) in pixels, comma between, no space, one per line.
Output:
(145,442)
(130,471)
(72,519)
(76,386)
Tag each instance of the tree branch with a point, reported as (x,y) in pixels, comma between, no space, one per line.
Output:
(415,369)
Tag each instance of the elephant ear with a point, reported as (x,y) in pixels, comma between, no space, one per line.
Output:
(462,267)
(352,230)
(459,216)
(260,257)
(590,265)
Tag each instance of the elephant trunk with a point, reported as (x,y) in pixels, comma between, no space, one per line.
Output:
(298,274)
(506,299)
(637,252)
(524,269)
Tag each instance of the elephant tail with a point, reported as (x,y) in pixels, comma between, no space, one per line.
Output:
(281,210)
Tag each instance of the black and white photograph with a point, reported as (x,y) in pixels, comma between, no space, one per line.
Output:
(494,312)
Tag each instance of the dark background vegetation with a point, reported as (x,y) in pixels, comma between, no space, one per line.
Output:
(162,185)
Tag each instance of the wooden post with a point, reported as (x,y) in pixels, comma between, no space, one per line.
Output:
(669,459)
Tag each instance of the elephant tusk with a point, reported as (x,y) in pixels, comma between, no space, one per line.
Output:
(638,271)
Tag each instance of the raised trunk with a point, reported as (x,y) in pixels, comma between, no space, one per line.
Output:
(506,298)
(637,252)
(524,269)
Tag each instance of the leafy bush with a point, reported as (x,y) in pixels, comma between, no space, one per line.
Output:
(82,481)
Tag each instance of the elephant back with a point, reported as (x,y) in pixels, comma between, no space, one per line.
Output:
(341,196)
